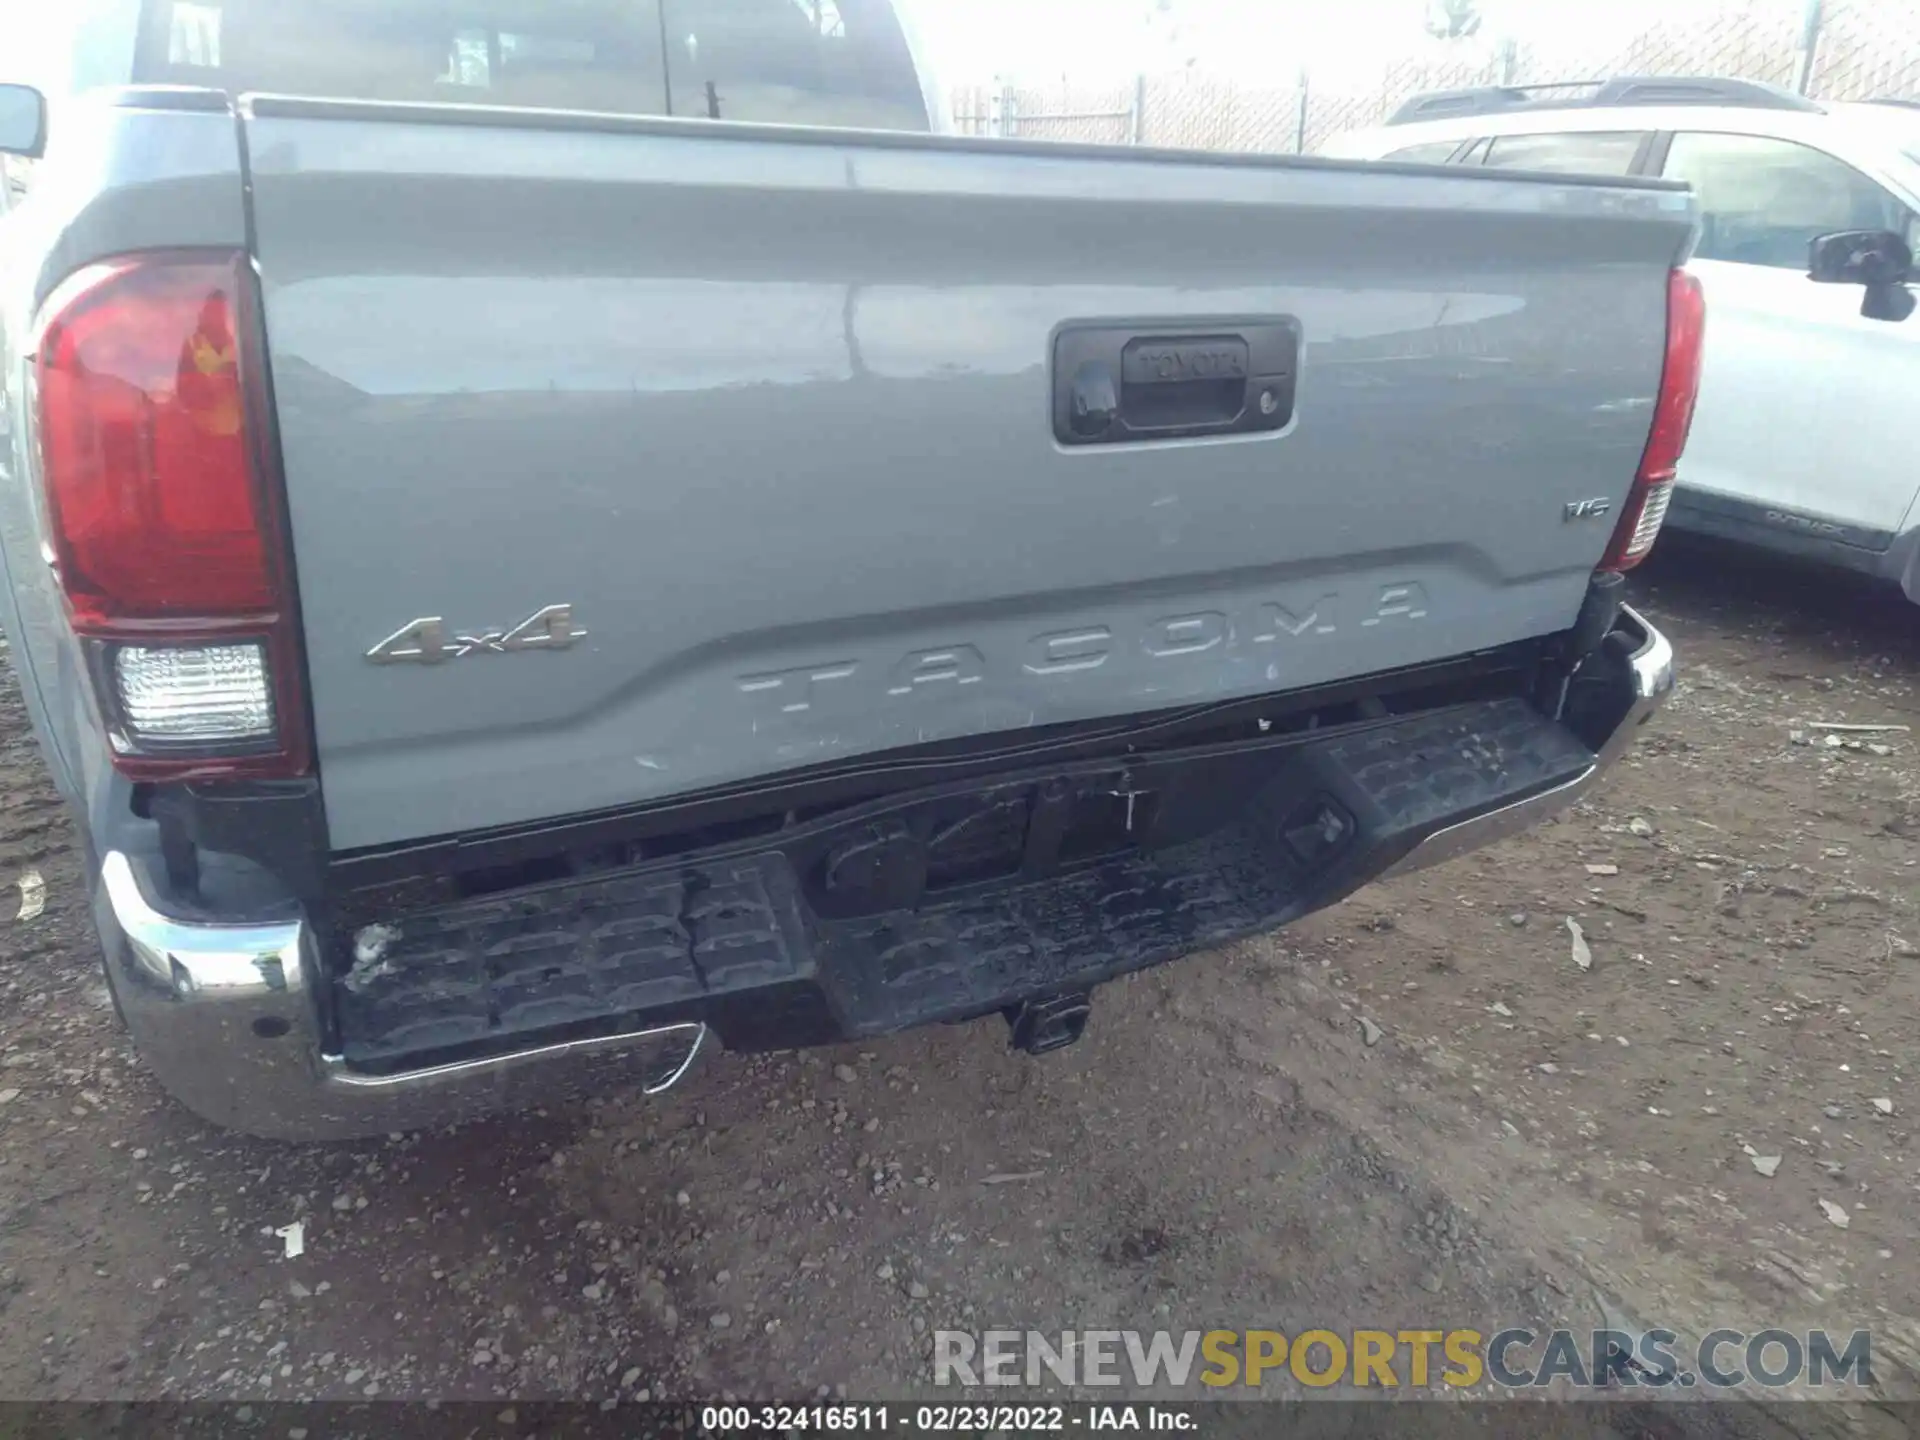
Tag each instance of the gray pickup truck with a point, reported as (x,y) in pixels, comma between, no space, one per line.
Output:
(516,578)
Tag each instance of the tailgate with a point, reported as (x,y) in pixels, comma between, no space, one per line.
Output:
(784,420)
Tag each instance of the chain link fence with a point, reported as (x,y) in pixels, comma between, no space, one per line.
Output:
(1859,50)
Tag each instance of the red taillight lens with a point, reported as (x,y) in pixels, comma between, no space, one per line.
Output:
(162,526)
(150,485)
(1679,380)
(1646,507)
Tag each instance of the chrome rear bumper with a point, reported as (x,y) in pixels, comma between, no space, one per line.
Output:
(226,1016)
(229,1018)
(1651,677)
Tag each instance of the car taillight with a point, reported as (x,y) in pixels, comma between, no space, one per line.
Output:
(1646,507)
(163,514)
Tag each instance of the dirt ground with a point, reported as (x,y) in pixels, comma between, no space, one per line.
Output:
(1526,1142)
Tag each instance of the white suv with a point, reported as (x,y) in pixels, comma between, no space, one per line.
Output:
(1804,438)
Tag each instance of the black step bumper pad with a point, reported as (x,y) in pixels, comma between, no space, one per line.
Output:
(750,943)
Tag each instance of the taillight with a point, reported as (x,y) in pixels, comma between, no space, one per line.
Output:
(1646,507)
(164,519)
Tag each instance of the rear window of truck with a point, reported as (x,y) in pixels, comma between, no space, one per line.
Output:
(798,62)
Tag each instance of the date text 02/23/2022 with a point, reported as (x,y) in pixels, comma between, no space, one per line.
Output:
(941,1419)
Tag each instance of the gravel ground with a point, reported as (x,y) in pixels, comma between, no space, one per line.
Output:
(1526,1141)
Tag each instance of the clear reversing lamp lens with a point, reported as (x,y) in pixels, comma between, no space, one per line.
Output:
(193,694)
(1652,516)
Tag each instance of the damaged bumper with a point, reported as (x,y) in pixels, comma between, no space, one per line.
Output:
(227,1017)
(633,972)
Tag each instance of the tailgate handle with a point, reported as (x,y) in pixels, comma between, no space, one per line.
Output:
(1182,384)
(1114,385)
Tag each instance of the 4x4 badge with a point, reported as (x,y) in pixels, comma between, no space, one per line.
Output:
(427,641)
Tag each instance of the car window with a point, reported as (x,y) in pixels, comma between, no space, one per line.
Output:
(800,62)
(1764,201)
(558,54)
(1596,152)
(1437,153)
(793,62)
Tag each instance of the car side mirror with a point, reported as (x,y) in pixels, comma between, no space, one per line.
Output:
(1878,259)
(23,121)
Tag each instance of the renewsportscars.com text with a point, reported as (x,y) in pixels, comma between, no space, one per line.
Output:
(1390,1359)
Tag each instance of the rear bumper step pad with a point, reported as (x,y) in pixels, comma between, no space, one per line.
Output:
(763,949)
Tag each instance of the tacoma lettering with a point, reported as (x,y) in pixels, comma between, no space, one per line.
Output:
(846,685)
